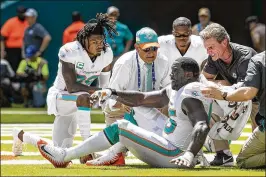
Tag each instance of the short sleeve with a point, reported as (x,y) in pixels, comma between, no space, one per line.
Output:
(210,67)
(129,35)
(22,66)
(6,29)
(41,31)
(253,77)
(45,70)
(108,56)
(65,55)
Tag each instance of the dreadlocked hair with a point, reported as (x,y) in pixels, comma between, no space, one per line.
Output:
(96,27)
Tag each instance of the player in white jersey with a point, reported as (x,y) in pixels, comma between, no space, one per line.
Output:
(182,43)
(80,62)
(184,133)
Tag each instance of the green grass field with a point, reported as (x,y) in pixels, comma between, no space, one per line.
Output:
(130,170)
(8,168)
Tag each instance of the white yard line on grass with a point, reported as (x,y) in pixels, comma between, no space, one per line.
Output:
(45,126)
(38,153)
(42,134)
(38,112)
(94,125)
(40,162)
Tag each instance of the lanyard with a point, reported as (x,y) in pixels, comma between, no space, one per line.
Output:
(139,78)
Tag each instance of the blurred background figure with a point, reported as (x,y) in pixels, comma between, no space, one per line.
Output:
(33,73)
(12,33)
(72,30)
(257,33)
(123,41)
(35,34)
(204,20)
(7,74)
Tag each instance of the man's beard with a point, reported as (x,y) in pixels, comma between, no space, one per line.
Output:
(21,18)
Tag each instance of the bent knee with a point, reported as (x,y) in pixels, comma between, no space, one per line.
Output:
(240,162)
(83,101)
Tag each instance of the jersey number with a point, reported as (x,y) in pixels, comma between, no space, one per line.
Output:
(170,126)
(87,81)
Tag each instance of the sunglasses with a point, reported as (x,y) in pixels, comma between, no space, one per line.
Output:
(182,35)
(153,49)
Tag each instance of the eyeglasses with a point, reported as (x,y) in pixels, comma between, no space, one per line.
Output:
(182,35)
(153,49)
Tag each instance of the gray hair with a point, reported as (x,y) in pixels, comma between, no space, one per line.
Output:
(215,31)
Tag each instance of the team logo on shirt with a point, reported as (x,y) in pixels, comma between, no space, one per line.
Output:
(195,93)
(80,65)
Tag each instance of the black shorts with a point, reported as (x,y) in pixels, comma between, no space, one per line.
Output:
(13,55)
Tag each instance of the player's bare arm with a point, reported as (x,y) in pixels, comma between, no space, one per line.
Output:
(196,113)
(157,99)
(199,118)
(68,70)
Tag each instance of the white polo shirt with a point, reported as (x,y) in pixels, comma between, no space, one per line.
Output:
(125,77)
(125,72)
(196,49)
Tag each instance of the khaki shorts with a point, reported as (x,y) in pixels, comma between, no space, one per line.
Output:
(252,154)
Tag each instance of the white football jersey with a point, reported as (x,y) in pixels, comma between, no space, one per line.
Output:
(178,128)
(196,49)
(86,70)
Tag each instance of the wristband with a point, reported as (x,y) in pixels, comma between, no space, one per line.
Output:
(113,91)
(224,95)
(189,156)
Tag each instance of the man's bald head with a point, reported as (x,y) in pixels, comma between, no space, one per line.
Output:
(184,71)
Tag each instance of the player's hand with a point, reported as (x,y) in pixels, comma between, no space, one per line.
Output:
(101,95)
(127,108)
(183,162)
(212,92)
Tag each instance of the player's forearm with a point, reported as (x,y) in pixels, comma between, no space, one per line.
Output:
(78,87)
(134,98)
(128,45)
(242,94)
(129,98)
(199,135)
(45,42)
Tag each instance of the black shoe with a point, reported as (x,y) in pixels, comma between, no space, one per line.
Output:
(221,159)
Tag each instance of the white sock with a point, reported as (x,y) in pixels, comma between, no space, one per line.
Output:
(32,139)
(95,143)
(83,116)
(118,147)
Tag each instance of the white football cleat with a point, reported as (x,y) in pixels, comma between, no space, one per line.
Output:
(53,154)
(17,143)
